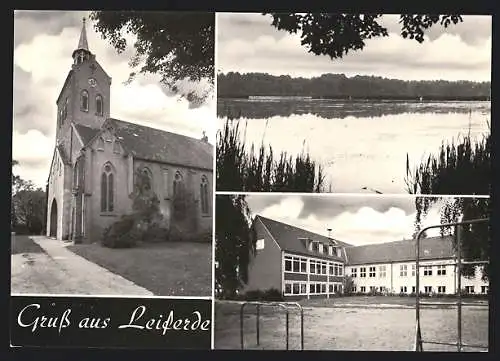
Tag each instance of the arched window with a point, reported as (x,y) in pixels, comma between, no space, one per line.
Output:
(177,190)
(65,109)
(60,117)
(204,195)
(84,101)
(178,197)
(107,189)
(98,105)
(147,180)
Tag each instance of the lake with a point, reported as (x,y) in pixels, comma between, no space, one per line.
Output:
(359,143)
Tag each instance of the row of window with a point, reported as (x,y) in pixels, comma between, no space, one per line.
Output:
(297,264)
(108,179)
(84,106)
(84,102)
(319,247)
(315,288)
(403,271)
(427,289)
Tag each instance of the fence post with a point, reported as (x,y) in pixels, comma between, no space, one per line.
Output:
(458,233)
(287,328)
(258,317)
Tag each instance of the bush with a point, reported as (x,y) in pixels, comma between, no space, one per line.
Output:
(270,295)
(153,233)
(121,234)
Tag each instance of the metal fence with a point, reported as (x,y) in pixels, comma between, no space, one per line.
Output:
(458,269)
(286,306)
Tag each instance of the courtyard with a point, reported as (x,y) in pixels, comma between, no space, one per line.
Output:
(352,324)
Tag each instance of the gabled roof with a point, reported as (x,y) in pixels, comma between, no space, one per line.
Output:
(401,251)
(162,146)
(86,133)
(289,238)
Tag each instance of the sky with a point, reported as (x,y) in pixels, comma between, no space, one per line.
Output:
(358,220)
(248,43)
(43,44)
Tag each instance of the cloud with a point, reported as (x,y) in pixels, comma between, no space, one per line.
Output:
(450,54)
(44,42)
(353,219)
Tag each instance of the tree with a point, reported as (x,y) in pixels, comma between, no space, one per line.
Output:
(234,243)
(348,285)
(335,35)
(175,45)
(27,204)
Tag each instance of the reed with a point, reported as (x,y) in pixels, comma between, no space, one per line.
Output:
(247,169)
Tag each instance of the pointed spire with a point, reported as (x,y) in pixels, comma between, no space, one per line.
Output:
(82,43)
(82,51)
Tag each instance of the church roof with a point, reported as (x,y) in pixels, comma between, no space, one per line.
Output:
(162,146)
(86,133)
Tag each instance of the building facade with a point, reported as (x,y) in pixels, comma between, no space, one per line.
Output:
(302,264)
(97,157)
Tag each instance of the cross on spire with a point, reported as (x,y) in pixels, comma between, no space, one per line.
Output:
(82,43)
(82,51)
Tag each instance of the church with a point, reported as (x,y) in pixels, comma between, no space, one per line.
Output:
(96,158)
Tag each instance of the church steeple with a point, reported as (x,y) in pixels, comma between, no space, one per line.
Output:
(82,52)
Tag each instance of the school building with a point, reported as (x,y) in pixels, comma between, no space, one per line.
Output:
(304,264)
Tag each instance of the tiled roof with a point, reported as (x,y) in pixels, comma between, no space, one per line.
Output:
(288,237)
(161,146)
(86,133)
(400,251)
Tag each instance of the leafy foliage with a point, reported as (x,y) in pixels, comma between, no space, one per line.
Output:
(461,168)
(348,285)
(143,224)
(241,170)
(339,86)
(335,35)
(27,205)
(234,243)
(176,45)
(269,295)
(121,234)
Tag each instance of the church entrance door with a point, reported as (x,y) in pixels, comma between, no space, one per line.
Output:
(53,219)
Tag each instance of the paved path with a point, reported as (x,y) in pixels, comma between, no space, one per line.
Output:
(59,271)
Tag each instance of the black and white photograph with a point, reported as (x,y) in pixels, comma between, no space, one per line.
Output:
(341,272)
(353,103)
(112,153)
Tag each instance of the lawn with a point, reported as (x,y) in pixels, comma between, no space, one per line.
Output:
(350,328)
(166,269)
(24,244)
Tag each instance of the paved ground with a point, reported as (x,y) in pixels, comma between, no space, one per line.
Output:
(363,328)
(45,266)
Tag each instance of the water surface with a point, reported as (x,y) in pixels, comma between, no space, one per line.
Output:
(361,144)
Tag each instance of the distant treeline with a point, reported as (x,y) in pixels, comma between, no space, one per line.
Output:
(339,86)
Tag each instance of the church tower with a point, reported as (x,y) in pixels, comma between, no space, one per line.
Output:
(85,96)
